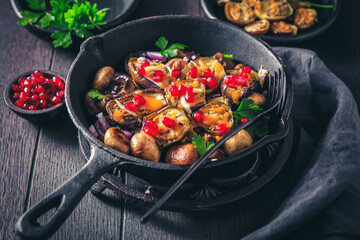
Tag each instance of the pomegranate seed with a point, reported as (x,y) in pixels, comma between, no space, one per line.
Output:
(199,116)
(174,91)
(15,88)
(244,120)
(159,73)
(232,85)
(38,74)
(19,104)
(16,95)
(141,70)
(226,131)
(150,127)
(43,96)
(145,64)
(182,90)
(193,72)
(21,81)
(221,127)
(168,122)
(61,85)
(22,97)
(139,100)
(60,94)
(39,89)
(43,103)
(25,106)
(37,104)
(246,69)
(203,81)
(27,90)
(158,78)
(27,83)
(190,96)
(22,87)
(34,97)
(208,73)
(55,100)
(56,80)
(244,75)
(212,83)
(189,88)
(32,108)
(175,73)
(130,106)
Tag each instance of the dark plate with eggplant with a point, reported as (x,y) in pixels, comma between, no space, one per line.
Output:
(276,21)
(111,49)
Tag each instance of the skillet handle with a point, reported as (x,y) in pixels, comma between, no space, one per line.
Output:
(64,198)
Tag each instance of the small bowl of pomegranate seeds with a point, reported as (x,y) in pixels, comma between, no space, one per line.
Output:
(36,95)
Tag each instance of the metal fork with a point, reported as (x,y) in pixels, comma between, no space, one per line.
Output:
(276,98)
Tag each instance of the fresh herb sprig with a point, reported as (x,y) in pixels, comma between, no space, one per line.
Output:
(96,94)
(307,3)
(229,56)
(247,109)
(75,16)
(170,51)
(200,144)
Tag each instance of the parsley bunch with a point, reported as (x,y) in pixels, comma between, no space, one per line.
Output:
(170,51)
(74,16)
(247,109)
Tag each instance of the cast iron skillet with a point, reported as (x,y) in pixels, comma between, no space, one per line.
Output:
(326,17)
(203,35)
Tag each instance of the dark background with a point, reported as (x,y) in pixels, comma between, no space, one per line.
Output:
(38,158)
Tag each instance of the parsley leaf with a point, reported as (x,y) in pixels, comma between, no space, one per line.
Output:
(29,17)
(229,56)
(45,20)
(247,109)
(200,144)
(161,43)
(61,39)
(257,129)
(37,4)
(96,94)
(170,51)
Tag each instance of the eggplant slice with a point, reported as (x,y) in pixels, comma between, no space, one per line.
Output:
(305,18)
(260,27)
(239,13)
(273,10)
(167,136)
(282,29)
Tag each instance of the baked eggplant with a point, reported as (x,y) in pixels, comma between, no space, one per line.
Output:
(282,29)
(166,134)
(305,18)
(239,13)
(273,10)
(260,27)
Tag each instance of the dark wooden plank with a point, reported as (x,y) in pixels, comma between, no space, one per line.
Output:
(58,158)
(19,52)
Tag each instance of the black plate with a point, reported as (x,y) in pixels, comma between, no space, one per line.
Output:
(119,10)
(326,16)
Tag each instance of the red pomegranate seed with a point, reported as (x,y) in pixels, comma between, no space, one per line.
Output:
(145,64)
(168,122)
(25,106)
(158,78)
(246,69)
(208,73)
(150,127)
(22,87)
(189,88)
(174,91)
(43,96)
(27,90)
(37,104)
(22,80)
(189,97)
(139,100)
(212,83)
(43,103)
(175,73)
(130,106)
(182,90)
(56,80)
(244,120)
(203,81)
(34,97)
(55,100)
(19,104)
(141,70)
(40,89)
(199,116)
(244,75)
(60,94)
(15,88)
(27,83)
(32,108)
(38,74)
(16,96)
(193,72)
(61,85)
(221,127)
(22,97)
(159,73)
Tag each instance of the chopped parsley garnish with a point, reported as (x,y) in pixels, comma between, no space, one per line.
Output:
(200,144)
(247,109)
(79,17)
(96,94)
(229,56)
(170,51)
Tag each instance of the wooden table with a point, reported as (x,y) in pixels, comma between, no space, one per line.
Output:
(38,158)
